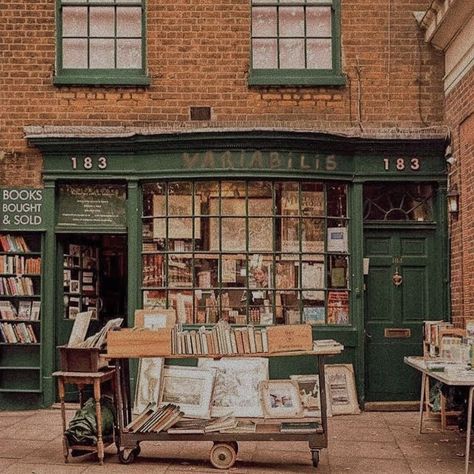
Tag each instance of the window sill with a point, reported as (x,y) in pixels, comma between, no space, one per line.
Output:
(129,80)
(268,77)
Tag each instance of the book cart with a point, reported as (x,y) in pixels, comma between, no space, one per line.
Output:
(224,451)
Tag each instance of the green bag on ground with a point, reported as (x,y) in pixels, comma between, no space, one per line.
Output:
(82,428)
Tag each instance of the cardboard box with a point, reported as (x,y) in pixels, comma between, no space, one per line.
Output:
(139,343)
(290,338)
(79,359)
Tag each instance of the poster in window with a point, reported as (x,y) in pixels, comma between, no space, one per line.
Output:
(312,233)
(178,206)
(338,307)
(234,236)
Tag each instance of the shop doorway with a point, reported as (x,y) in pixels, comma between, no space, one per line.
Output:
(92,276)
(403,288)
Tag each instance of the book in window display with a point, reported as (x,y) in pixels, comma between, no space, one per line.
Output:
(337,239)
(285,275)
(338,307)
(314,315)
(312,276)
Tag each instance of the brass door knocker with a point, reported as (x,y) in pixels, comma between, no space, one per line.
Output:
(397,279)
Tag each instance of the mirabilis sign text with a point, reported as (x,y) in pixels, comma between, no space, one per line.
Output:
(21,208)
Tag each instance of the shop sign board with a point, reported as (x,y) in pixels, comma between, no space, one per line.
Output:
(21,208)
(92,206)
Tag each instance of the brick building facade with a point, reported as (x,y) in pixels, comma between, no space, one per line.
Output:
(375,121)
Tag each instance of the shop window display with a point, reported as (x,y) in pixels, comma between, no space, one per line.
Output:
(261,252)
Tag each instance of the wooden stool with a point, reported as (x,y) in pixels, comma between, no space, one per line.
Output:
(81,379)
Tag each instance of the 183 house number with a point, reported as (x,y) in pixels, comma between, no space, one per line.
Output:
(402,164)
(88,163)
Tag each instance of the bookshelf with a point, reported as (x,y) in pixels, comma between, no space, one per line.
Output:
(20,312)
(81,280)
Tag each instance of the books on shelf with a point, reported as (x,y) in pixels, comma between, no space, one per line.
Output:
(221,339)
(8,310)
(13,243)
(17,333)
(16,286)
(19,264)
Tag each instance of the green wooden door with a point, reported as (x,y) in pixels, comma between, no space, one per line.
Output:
(403,288)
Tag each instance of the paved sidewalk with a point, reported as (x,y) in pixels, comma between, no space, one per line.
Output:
(30,442)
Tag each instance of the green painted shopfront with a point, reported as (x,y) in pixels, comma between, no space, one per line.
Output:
(348,234)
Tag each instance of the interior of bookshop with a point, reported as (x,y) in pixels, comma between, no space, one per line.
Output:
(261,252)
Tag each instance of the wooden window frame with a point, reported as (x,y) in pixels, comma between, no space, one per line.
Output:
(303,77)
(105,76)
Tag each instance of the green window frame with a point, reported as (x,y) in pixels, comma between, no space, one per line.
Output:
(248,251)
(295,43)
(101,42)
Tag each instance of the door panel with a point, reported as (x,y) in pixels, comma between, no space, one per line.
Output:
(408,254)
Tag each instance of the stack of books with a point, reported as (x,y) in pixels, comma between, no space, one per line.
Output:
(155,419)
(222,424)
(222,339)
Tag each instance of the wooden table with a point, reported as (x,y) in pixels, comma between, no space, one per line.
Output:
(462,378)
(81,379)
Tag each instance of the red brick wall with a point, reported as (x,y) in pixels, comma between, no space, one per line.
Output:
(198,54)
(460,119)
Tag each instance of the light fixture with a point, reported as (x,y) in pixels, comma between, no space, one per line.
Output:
(453,200)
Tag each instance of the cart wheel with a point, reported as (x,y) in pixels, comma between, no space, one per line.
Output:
(137,450)
(235,445)
(223,455)
(127,456)
(315,457)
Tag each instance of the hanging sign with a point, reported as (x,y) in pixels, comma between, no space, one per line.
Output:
(92,206)
(21,209)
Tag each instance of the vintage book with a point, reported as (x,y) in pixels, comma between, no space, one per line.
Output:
(35,310)
(314,314)
(79,328)
(246,341)
(24,309)
(265,340)
(285,338)
(338,277)
(149,409)
(195,426)
(219,424)
(7,310)
(243,426)
(251,332)
(258,341)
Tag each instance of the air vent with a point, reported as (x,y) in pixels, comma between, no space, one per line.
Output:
(200,113)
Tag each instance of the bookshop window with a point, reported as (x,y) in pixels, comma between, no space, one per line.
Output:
(261,252)
(100,42)
(296,42)
(399,202)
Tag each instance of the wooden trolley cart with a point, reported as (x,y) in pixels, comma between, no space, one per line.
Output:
(224,451)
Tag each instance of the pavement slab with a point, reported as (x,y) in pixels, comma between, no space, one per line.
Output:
(384,442)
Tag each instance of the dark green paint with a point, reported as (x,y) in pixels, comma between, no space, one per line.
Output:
(90,206)
(139,157)
(406,306)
